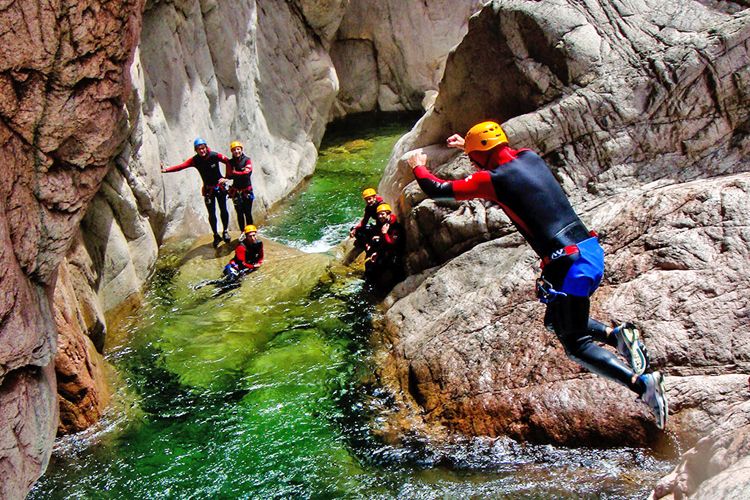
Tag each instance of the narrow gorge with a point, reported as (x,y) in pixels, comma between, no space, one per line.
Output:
(641,108)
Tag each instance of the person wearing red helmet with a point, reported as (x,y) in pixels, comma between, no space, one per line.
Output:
(521,183)
(213,190)
(239,170)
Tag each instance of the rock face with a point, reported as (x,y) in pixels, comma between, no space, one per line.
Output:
(390,55)
(94,97)
(64,80)
(642,112)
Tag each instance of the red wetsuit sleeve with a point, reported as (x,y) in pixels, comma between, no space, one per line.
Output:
(246,169)
(478,185)
(182,166)
(239,254)
(389,238)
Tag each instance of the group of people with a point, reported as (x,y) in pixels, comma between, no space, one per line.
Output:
(236,184)
(383,242)
(522,184)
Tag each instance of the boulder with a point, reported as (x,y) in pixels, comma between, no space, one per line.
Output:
(641,111)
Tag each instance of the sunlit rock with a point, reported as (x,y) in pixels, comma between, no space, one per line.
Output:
(641,110)
(390,55)
(64,82)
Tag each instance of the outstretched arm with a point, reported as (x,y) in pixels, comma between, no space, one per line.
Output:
(455,141)
(176,168)
(478,185)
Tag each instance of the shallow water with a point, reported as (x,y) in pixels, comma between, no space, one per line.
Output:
(258,393)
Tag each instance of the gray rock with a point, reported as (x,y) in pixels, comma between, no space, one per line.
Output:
(641,110)
(390,55)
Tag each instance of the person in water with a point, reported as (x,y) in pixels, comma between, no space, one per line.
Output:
(248,256)
(239,170)
(213,189)
(361,232)
(572,259)
(385,250)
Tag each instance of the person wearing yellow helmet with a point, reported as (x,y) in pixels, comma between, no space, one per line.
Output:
(385,250)
(362,232)
(523,185)
(248,256)
(213,189)
(240,170)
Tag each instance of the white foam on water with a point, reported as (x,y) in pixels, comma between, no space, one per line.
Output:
(332,236)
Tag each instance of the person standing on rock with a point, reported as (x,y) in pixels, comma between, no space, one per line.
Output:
(239,170)
(572,259)
(213,189)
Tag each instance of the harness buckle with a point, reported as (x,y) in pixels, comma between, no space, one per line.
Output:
(545,293)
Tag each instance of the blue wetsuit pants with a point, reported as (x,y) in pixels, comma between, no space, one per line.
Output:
(567,315)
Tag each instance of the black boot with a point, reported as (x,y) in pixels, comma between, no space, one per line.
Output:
(217,240)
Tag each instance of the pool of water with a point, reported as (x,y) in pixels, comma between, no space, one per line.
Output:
(266,391)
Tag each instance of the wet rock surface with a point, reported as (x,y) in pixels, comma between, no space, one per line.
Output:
(641,112)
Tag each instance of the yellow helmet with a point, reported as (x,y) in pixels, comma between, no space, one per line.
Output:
(236,144)
(383,207)
(368,192)
(250,229)
(484,136)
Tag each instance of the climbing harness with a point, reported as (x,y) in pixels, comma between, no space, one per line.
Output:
(565,251)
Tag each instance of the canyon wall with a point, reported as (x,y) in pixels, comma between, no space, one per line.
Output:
(390,55)
(258,72)
(642,111)
(64,81)
(94,97)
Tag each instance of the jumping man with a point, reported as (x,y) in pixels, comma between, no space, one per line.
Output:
(572,259)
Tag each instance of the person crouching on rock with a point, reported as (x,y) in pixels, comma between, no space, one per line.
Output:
(248,256)
(361,232)
(239,170)
(213,189)
(385,250)
(572,259)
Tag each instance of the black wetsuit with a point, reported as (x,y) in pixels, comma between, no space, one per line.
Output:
(212,190)
(384,266)
(527,191)
(240,171)
(248,255)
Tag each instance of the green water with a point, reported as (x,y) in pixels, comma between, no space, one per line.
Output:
(259,392)
(352,158)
